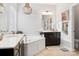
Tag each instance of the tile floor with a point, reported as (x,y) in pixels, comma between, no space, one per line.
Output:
(56,51)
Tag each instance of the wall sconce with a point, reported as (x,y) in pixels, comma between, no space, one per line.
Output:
(1,8)
(27,9)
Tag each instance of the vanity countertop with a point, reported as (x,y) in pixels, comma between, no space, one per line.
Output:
(10,40)
(50,31)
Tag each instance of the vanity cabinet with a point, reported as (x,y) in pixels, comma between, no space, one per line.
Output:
(52,38)
(15,51)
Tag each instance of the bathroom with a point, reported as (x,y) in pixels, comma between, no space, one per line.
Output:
(40,28)
(14,19)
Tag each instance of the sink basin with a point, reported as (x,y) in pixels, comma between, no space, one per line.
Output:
(11,36)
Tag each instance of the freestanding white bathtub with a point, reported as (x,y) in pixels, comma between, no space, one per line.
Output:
(33,44)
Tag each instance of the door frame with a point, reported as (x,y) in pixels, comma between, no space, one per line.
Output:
(73,37)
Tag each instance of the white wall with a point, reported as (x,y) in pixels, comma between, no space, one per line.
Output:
(32,23)
(12,16)
(66,40)
(3,19)
(8,18)
(14,19)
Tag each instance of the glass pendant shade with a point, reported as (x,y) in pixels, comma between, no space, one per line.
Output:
(27,9)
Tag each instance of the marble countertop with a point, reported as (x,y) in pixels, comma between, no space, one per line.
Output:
(10,40)
(50,31)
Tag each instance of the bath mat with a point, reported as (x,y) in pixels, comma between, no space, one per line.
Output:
(64,49)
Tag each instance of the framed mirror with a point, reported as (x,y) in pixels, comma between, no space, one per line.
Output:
(47,22)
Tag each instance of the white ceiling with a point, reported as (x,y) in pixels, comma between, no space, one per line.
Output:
(55,4)
(40,7)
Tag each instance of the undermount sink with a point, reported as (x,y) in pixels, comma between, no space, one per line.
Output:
(11,36)
(7,37)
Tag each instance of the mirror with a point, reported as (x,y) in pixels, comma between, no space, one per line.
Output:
(47,22)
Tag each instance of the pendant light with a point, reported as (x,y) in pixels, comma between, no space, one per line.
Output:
(27,9)
(1,8)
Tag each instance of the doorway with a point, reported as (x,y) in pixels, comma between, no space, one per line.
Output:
(76,26)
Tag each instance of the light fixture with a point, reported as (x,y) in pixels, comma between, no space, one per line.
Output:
(27,9)
(46,13)
(1,8)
